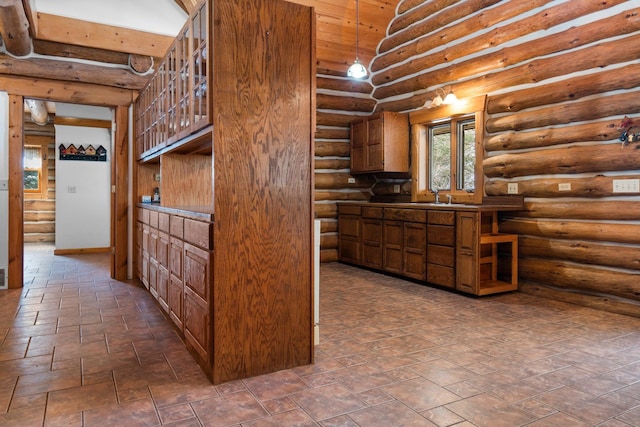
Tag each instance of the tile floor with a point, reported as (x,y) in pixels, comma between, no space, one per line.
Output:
(77,348)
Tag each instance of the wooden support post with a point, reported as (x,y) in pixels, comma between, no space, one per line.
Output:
(14,28)
(16,193)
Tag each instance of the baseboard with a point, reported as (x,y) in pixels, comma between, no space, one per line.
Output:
(81,251)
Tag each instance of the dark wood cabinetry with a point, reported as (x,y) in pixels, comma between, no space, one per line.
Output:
(456,247)
(380,143)
(245,308)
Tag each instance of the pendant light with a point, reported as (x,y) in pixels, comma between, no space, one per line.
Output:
(357,70)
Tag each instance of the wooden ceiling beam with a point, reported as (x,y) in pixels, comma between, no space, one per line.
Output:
(14,27)
(82,33)
(140,64)
(75,93)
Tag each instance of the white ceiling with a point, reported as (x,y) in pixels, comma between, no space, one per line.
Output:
(155,16)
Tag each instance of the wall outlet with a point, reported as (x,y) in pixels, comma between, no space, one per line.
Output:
(626,185)
(4,184)
(71,189)
(396,188)
(157,177)
(351,180)
(565,186)
(512,188)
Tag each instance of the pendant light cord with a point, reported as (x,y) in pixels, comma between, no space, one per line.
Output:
(357,25)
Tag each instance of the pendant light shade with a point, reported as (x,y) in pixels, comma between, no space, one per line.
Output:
(357,70)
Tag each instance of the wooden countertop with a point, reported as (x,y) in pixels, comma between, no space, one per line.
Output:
(487,207)
(199,213)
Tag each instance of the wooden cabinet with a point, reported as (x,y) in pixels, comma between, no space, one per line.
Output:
(372,233)
(405,237)
(178,266)
(456,248)
(441,248)
(245,308)
(349,232)
(480,252)
(176,101)
(380,143)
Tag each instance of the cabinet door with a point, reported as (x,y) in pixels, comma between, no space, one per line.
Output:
(184,75)
(393,242)
(200,90)
(372,242)
(163,287)
(467,248)
(359,135)
(349,245)
(153,277)
(415,250)
(374,144)
(197,290)
(176,285)
(172,93)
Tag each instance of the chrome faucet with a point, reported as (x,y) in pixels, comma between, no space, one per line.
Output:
(449,199)
(437,195)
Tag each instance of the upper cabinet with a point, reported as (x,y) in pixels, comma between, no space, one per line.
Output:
(380,143)
(176,102)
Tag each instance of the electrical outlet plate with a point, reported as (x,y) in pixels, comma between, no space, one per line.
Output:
(626,185)
(157,177)
(351,180)
(512,188)
(565,186)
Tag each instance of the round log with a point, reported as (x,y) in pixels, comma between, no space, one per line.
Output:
(618,210)
(140,64)
(610,105)
(341,102)
(592,186)
(329,241)
(334,181)
(326,210)
(567,90)
(328,255)
(342,195)
(573,230)
(344,85)
(14,27)
(333,133)
(611,305)
(334,119)
(567,160)
(597,131)
(332,149)
(618,51)
(328,225)
(336,164)
(581,278)
(581,251)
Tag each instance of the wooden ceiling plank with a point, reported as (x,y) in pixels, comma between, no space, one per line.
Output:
(82,33)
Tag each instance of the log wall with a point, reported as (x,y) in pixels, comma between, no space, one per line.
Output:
(559,78)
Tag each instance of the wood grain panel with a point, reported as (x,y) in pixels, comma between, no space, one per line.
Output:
(263,177)
(15,271)
(190,180)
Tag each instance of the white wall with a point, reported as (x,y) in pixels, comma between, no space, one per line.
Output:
(4,179)
(83,216)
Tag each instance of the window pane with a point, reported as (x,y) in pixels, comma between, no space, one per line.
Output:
(466,155)
(32,180)
(32,157)
(440,157)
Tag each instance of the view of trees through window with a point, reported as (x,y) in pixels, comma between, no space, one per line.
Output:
(452,155)
(32,168)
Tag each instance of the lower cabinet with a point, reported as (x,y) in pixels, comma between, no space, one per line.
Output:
(175,259)
(197,300)
(454,248)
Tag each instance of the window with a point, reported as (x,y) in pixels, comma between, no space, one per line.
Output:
(33,176)
(447,153)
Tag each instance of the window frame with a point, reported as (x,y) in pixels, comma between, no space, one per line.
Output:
(40,170)
(420,122)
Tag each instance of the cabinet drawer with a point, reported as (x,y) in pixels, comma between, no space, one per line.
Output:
(442,255)
(441,217)
(441,235)
(163,222)
(371,212)
(153,219)
(414,215)
(176,226)
(144,216)
(441,275)
(198,233)
(349,209)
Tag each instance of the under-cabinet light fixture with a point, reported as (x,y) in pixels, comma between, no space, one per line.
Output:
(357,70)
